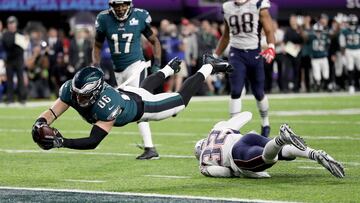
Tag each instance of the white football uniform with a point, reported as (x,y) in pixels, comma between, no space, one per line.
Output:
(216,159)
(244,23)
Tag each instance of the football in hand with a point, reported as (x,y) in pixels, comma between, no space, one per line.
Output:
(46,132)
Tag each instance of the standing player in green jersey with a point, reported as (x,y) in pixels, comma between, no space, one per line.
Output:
(349,40)
(319,42)
(122,26)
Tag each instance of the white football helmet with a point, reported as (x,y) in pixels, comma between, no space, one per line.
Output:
(198,148)
(121,13)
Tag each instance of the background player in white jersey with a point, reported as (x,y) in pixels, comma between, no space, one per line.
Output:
(349,40)
(244,20)
(227,153)
(122,26)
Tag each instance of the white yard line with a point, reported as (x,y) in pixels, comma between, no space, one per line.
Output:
(137,194)
(194,135)
(168,177)
(310,167)
(17,151)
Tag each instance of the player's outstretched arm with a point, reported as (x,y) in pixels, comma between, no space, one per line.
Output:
(55,111)
(224,41)
(97,134)
(42,134)
(216,171)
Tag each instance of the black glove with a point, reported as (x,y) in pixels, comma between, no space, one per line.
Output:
(38,123)
(45,136)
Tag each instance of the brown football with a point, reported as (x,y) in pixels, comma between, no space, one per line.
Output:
(46,132)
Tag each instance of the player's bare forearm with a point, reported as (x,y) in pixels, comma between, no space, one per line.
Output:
(267,24)
(96,53)
(156,46)
(224,41)
(57,109)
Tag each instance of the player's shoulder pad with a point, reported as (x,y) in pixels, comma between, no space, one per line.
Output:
(103,13)
(107,107)
(227,6)
(100,18)
(143,14)
(65,92)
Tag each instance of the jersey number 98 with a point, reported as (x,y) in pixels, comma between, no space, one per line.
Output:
(245,24)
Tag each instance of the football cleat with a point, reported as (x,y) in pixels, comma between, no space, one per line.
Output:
(335,168)
(149,154)
(265,131)
(218,65)
(289,137)
(175,64)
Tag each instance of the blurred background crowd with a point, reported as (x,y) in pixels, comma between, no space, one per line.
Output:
(40,58)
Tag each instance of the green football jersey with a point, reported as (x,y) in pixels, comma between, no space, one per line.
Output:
(352,38)
(123,37)
(111,105)
(319,45)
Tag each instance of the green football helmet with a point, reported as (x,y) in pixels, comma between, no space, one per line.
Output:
(87,85)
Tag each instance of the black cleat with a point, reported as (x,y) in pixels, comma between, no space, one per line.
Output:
(175,64)
(218,65)
(149,154)
(265,131)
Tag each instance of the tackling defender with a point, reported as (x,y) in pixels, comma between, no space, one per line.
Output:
(122,26)
(227,153)
(244,20)
(105,107)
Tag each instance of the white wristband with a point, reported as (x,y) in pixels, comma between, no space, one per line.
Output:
(271,46)
(215,55)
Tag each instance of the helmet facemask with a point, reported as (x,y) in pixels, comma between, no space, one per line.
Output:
(198,148)
(121,8)
(88,92)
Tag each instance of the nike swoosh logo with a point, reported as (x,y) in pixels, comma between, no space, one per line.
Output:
(111,107)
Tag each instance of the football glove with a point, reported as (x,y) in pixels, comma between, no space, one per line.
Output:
(45,136)
(38,124)
(268,54)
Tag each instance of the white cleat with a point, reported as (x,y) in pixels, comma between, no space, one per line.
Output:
(289,137)
(335,168)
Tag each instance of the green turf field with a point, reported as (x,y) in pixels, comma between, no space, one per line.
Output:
(331,123)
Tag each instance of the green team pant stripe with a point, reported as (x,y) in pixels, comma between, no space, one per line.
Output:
(162,105)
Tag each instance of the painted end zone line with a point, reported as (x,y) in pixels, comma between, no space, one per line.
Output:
(137,194)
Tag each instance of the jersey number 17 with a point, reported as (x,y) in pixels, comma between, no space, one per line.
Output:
(127,36)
